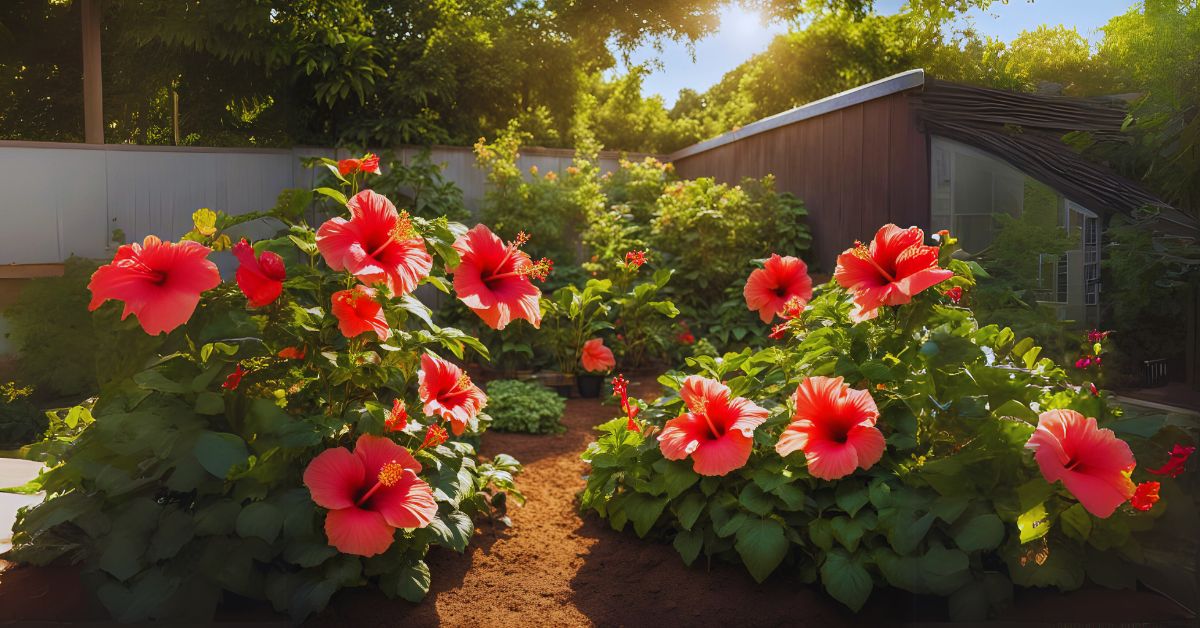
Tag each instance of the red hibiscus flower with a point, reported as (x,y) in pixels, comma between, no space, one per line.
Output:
(494,280)
(891,271)
(377,245)
(159,282)
(834,426)
(358,312)
(1092,462)
(434,436)
(621,389)
(369,493)
(596,357)
(261,280)
(235,378)
(369,164)
(397,417)
(717,432)
(448,393)
(780,280)
(1145,496)
(1174,465)
(292,353)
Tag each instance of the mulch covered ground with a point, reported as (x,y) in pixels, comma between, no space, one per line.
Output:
(555,567)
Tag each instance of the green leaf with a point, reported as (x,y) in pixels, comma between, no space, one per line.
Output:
(643,511)
(762,546)
(410,582)
(944,570)
(755,500)
(1033,523)
(677,475)
(688,544)
(210,403)
(261,520)
(337,196)
(689,510)
(846,579)
(984,532)
(453,530)
(847,531)
(820,532)
(219,452)
(1076,522)
(308,554)
(851,495)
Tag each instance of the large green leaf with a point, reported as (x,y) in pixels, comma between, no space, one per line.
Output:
(219,452)
(261,520)
(410,582)
(762,546)
(983,532)
(643,511)
(846,579)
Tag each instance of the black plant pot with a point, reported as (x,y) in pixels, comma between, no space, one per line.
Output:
(563,391)
(589,385)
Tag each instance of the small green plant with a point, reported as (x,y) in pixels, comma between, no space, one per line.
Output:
(517,406)
(20,420)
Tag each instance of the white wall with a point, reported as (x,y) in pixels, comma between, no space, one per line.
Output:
(62,199)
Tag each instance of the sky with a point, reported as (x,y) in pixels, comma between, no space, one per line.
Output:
(743,34)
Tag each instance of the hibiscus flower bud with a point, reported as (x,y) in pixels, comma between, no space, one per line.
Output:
(436,435)
(397,417)
(235,378)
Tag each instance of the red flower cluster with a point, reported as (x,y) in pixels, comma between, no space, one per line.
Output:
(235,378)
(368,164)
(1145,496)
(955,294)
(1096,335)
(634,260)
(1087,361)
(1174,465)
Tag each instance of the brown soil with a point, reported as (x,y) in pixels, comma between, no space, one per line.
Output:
(555,567)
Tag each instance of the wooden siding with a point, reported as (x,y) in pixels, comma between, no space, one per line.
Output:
(855,168)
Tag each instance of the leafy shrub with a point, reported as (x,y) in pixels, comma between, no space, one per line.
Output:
(912,473)
(418,186)
(710,231)
(59,342)
(517,406)
(20,421)
(200,473)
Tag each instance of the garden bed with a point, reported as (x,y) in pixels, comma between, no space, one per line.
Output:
(555,567)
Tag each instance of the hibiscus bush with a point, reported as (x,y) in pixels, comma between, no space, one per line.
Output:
(299,430)
(888,439)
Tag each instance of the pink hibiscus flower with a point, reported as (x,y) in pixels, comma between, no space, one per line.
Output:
(159,282)
(377,245)
(494,280)
(834,426)
(1092,462)
(596,357)
(448,393)
(717,432)
(369,493)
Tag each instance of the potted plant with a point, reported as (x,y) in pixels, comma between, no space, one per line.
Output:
(596,360)
(575,317)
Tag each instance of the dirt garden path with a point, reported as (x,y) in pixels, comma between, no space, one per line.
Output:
(557,568)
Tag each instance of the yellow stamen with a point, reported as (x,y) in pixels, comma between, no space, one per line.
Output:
(391,473)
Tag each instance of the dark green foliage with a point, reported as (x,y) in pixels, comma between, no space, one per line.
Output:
(417,185)
(59,343)
(531,408)
(20,421)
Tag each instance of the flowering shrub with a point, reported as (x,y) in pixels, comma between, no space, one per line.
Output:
(887,439)
(297,432)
